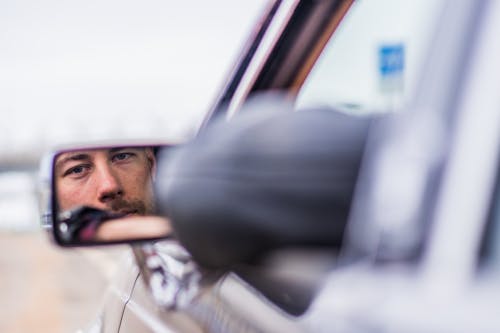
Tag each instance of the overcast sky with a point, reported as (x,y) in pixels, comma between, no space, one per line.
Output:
(69,69)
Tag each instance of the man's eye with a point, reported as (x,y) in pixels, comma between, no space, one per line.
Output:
(122,156)
(76,171)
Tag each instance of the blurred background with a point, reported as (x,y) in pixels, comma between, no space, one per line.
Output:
(90,70)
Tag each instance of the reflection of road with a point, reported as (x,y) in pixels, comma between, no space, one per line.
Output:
(47,289)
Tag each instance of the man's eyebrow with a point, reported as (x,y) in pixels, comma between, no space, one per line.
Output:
(72,157)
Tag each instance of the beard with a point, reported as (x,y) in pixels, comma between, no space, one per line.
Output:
(132,206)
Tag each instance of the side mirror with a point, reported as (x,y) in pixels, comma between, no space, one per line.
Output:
(102,195)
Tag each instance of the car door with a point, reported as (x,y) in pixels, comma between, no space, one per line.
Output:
(316,53)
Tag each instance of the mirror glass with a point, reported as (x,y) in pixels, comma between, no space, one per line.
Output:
(105,195)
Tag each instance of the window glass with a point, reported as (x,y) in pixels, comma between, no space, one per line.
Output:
(371,63)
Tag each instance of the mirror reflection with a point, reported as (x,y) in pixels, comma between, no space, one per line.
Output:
(106,195)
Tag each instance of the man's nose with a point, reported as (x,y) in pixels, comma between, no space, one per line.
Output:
(109,187)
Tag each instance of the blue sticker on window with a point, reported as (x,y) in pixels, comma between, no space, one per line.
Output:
(391,59)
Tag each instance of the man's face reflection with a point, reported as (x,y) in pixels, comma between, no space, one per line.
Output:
(118,179)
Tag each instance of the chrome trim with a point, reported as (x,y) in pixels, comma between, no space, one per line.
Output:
(241,64)
(273,33)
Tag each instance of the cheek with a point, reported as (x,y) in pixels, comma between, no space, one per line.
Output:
(137,184)
(68,197)
(71,195)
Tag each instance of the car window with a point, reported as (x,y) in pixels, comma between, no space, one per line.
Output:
(372,61)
